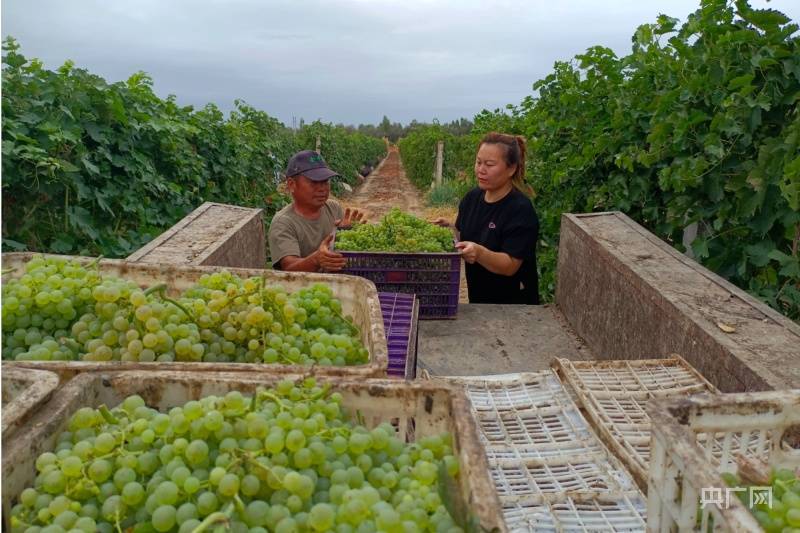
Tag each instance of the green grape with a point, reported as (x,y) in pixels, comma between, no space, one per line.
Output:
(207,503)
(72,466)
(274,442)
(187,511)
(396,232)
(163,518)
(167,493)
(132,493)
(294,464)
(229,485)
(196,452)
(295,440)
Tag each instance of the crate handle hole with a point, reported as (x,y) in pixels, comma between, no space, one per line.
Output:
(790,440)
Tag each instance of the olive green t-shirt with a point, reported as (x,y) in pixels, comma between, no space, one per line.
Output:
(293,235)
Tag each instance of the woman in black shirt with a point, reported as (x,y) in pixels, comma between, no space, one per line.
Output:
(497,226)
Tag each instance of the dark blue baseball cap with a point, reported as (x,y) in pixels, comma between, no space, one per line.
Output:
(311,165)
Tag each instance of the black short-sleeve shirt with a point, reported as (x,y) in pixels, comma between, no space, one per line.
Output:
(509,225)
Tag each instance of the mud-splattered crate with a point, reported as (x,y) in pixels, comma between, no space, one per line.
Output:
(358,297)
(400,313)
(417,409)
(550,470)
(24,391)
(614,395)
(211,235)
(695,439)
(434,278)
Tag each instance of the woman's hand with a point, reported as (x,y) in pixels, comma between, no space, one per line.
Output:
(442,222)
(470,251)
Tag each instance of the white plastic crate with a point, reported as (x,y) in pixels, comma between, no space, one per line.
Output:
(550,471)
(358,297)
(418,409)
(695,439)
(613,395)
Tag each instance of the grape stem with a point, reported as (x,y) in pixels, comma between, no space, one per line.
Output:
(263,467)
(106,414)
(161,288)
(272,304)
(116,521)
(80,484)
(72,344)
(157,287)
(353,329)
(276,399)
(322,393)
(239,504)
(331,431)
(220,517)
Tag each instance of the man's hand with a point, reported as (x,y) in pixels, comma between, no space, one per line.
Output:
(470,251)
(327,260)
(443,222)
(351,216)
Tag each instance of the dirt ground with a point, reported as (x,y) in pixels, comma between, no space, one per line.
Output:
(387,187)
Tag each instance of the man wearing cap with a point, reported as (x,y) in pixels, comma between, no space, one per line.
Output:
(301,233)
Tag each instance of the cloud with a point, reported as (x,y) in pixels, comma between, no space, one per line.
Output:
(348,61)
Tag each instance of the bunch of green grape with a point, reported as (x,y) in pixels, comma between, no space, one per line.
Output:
(782,514)
(247,321)
(223,318)
(287,459)
(396,232)
(40,306)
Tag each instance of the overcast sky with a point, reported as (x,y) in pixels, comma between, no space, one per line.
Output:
(349,61)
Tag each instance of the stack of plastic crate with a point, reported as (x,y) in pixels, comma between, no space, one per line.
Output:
(434,278)
(613,395)
(400,314)
(550,470)
(695,440)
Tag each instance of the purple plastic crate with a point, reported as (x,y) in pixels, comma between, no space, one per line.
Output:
(433,278)
(400,322)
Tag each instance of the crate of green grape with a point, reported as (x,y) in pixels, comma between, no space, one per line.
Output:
(405,254)
(190,451)
(73,314)
(725,462)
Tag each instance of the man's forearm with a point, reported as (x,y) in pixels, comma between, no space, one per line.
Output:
(309,263)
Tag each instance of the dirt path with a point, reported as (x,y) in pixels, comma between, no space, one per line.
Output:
(387,187)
